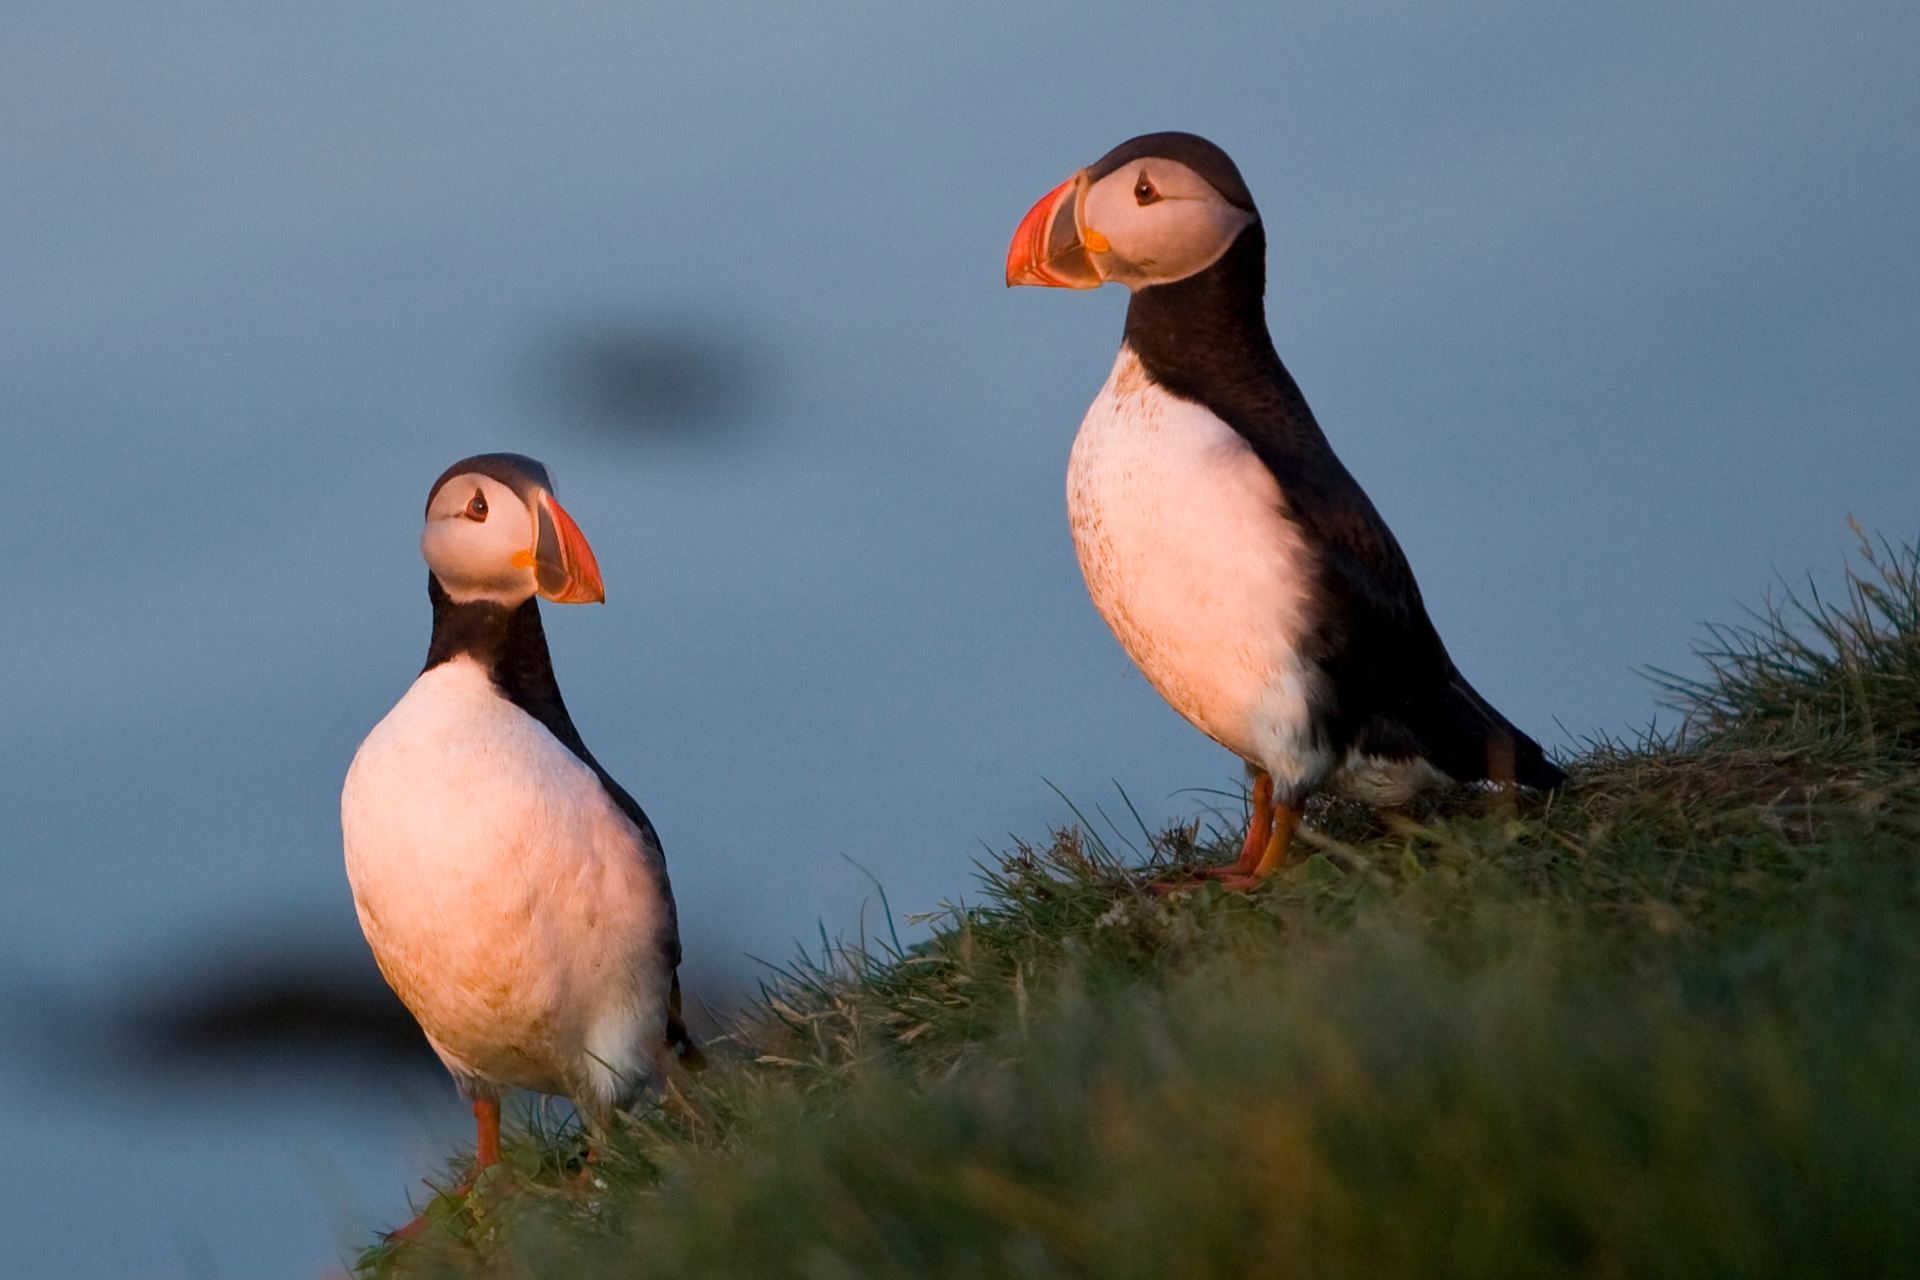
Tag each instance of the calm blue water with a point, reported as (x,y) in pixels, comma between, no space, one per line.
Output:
(1613,315)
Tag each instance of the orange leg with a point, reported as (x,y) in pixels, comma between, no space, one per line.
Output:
(1252,849)
(1279,848)
(486,1153)
(1259,832)
(486,1116)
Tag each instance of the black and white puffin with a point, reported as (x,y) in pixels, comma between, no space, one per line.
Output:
(1241,567)
(514,894)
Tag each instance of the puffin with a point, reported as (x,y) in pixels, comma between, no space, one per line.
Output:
(1237,561)
(514,895)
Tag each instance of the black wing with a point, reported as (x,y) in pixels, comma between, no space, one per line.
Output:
(523,672)
(1398,693)
(1395,691)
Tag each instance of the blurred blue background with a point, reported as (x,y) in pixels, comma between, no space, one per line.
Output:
(1613,311)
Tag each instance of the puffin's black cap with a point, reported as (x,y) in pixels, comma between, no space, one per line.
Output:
(1191,150)
(515,470)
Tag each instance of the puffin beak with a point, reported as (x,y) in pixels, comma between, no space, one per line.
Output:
(563,565)
(1048,248)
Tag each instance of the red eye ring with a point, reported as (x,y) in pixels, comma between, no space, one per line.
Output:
(477,508)
(1144,192)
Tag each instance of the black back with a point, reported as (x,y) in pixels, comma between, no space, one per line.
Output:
(512,646)
(1394,691)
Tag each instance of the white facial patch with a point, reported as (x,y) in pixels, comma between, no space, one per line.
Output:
(475,558)
(1182,228)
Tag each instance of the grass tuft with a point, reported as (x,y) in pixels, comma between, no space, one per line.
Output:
(1852,667)
(1664,1022)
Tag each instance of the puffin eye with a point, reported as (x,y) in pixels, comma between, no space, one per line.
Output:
(1144,192)
(477,509)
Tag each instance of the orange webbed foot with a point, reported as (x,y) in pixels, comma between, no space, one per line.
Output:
(1273,851)
(1259,829)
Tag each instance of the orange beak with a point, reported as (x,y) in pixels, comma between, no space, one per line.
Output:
(1047,249)
(563,565)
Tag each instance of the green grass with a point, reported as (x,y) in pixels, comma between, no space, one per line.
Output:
(1666,1022)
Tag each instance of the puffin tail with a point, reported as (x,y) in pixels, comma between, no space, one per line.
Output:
(1505,755)
(679,1039)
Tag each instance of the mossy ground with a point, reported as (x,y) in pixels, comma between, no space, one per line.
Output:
(1664,1022)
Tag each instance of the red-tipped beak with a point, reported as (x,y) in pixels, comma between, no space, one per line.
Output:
(563,565)
(1047,249)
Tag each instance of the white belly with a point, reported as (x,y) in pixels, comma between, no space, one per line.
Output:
(1188,557)
(507,900)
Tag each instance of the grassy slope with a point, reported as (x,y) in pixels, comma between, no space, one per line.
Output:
(1667,1022)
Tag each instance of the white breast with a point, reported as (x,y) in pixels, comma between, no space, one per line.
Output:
(509,902)
(1190,559)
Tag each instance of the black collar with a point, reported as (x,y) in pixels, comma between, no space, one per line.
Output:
(1205,339)
(512,647)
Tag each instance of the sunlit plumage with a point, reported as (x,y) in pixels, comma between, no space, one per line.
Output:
(514,895)
(1234,557)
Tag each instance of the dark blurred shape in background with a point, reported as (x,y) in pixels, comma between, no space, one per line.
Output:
(266,1007)
(662,379)
(264,1002)
(257,1001)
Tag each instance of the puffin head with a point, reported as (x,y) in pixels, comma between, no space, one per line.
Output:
(495,532)
(1155,209)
